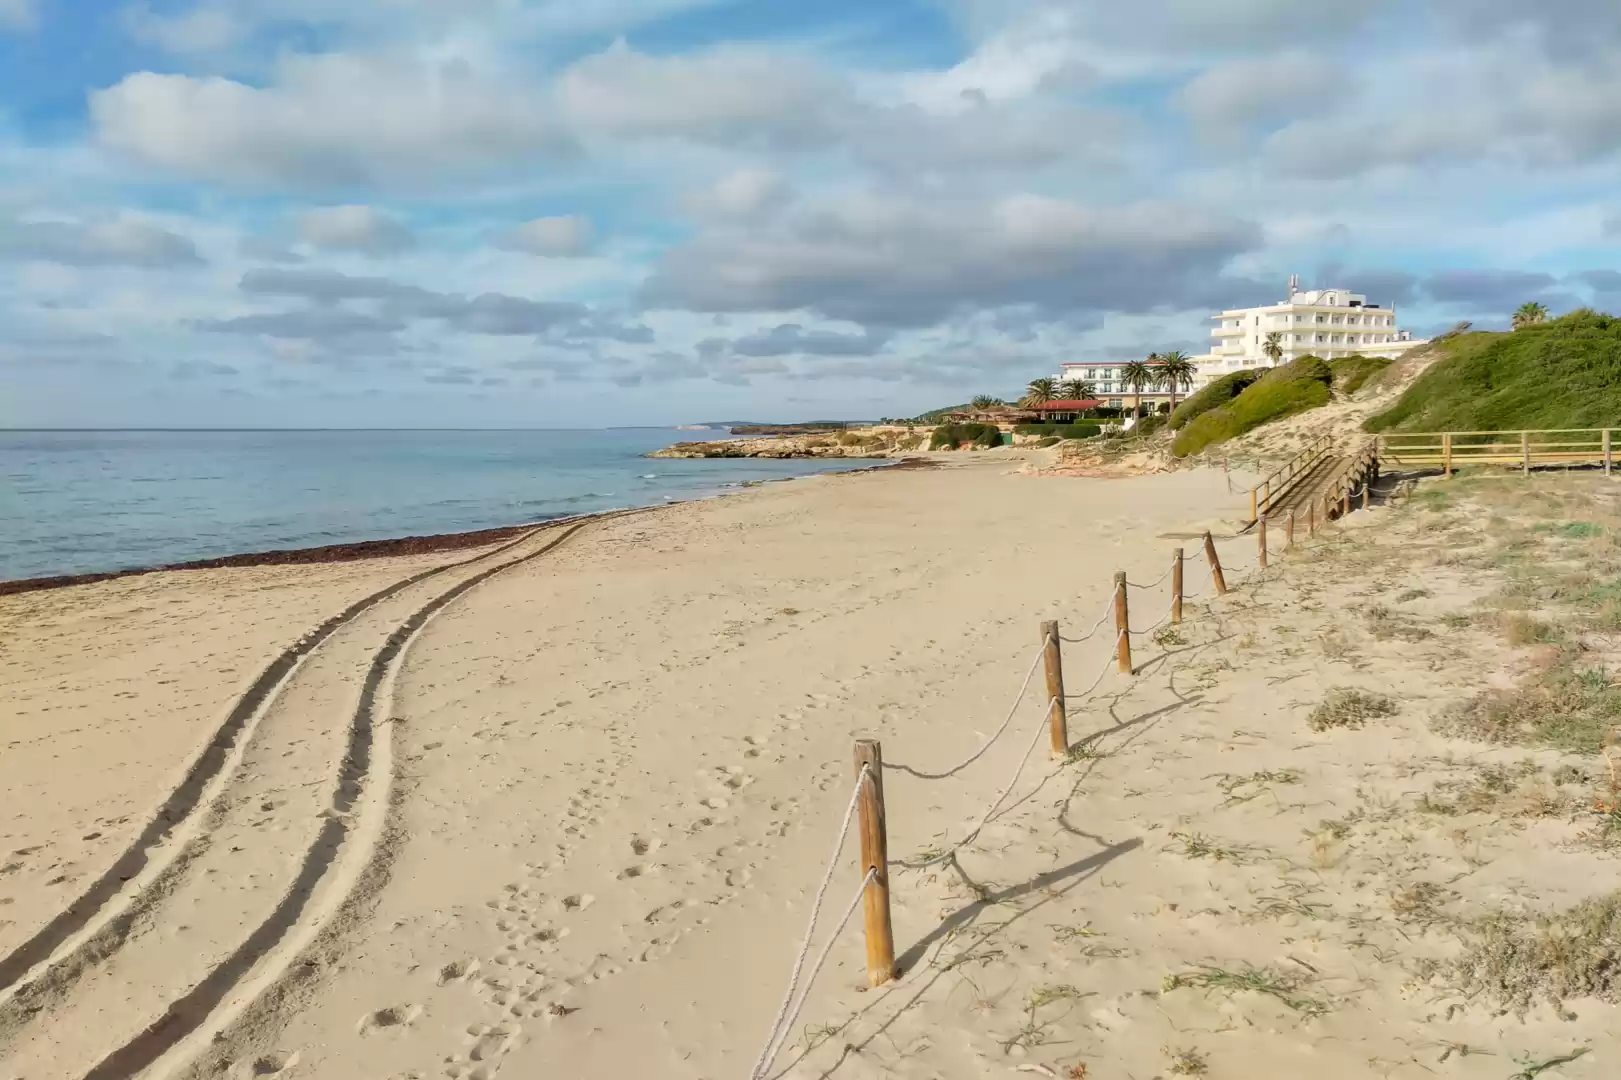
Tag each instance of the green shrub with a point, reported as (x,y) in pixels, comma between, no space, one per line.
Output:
(1148,425)
(1035,429)
(1213,396)
(1079,430)
(1564,373)
(957,436)
(1351,373)
(1283,391)
(1050,440)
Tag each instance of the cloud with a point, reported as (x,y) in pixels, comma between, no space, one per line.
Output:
(489,314)
(552,236)
(124,242)
(193,369)
(328,120)
(264,249)
(200,30)
(313,323)
(893,261)
(1487,290)
(742,193)
(359,229)
(1605,283)
(790,338)
(729,95)
(18,15)
(1251,90)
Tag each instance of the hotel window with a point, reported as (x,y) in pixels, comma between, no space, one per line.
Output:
(1321,338)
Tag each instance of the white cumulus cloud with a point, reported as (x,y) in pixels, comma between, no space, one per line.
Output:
(567,235)
(354,228)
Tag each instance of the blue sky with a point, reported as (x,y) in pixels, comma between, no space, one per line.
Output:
(560,212)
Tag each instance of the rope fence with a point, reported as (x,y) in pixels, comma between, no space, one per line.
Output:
(866,804)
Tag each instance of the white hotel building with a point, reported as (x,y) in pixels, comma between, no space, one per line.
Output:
(1329,323)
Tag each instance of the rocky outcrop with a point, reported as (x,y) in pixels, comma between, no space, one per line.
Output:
(849,444)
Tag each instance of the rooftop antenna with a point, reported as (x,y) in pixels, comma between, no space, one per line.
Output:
(1294,285)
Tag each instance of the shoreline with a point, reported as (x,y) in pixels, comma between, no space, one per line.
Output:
(399,546)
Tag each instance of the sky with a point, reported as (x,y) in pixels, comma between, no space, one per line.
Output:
(568,213)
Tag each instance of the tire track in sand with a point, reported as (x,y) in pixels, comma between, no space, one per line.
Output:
(163,838)
(173,890)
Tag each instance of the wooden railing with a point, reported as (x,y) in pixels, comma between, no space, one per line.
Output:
(1527,449)
(1282,480)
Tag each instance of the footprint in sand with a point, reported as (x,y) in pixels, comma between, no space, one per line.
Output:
(714,802)
(640,845)
(631,872)
(457,971)
(394,1016)
(271,1064)
(578,902)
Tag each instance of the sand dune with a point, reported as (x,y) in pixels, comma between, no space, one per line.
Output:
(560,810)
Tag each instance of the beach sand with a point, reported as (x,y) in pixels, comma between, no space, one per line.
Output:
(568,821)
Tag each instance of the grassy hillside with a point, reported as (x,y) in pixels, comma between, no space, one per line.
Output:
(1351,373)
(1565,373)
(1213,396)
(1283,391)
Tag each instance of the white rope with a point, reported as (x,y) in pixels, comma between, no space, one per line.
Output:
(777,1027)
(775,1047)
(988,743)
(1108,610)
(1018,771)
(1154,583)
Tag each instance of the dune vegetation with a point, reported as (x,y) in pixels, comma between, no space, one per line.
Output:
(1562,373)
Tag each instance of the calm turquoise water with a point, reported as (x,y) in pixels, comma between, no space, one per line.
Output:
(84,502)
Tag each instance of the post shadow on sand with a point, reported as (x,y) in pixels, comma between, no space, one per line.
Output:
(1072,876)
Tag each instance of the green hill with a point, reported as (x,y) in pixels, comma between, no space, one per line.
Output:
(1283,391)
(1565,373)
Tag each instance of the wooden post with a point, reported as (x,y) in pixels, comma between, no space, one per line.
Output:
(1606,451)
(1289,530)
(1122,624)
(1176,587)
(1260,539)
(1252,504)
(1525,453)
(1446,455)
(1215,565)
(875,859)
(1345,500)
(1053,661)
(1311,518)
(1367,487)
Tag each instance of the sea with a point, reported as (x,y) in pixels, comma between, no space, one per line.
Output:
(78,502)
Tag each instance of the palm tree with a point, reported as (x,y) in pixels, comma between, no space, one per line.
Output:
(1175,372)
(1039,392)
(1138,374)
(1529,314)
(1273,347)
(984,401)
(1077,390)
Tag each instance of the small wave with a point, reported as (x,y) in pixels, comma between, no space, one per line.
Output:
(650,476)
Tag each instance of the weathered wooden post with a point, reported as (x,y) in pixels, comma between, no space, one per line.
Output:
(1122,624)
(1446,455)
(1260,539)
(1367,487)
(1176,587)
(1311,518)
(1215,565)
(1053,662)
(1606,451)
(1525,453)
(875,860)
(1252,503)
(1289,530)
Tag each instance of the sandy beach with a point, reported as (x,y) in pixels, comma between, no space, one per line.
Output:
(558,807)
